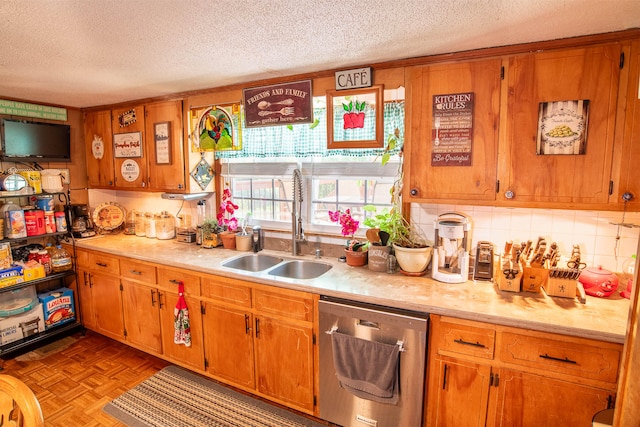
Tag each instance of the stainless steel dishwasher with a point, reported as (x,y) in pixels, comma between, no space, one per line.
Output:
(377,325)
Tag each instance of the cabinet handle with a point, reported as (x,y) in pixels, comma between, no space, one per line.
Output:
(247,326)
(414,192)
(474,344)
(557,359)
(509,194)
(257,328)
(174,281)
(153,298)
(135,272)
(101,264)
(90,280)
(496,380)
(444,377)
(160,299)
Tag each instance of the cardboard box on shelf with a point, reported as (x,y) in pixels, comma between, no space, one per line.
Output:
(58,307)
(24,325)
(11,276)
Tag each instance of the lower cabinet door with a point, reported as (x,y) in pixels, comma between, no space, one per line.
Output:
(525,399)
(192,356)
(229,345)
(85,298)
(107,305)
(458,393)
(284,362)
(141,305)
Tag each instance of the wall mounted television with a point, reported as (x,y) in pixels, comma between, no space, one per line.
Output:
(24,141)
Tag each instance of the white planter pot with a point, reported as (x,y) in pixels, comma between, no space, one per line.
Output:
(413,260)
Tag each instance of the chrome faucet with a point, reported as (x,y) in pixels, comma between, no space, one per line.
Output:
(297,233)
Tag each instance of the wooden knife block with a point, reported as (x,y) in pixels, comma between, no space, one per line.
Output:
(511,285)
(565,288)
(534,278)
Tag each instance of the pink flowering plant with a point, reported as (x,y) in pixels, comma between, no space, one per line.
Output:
(349,228)
(226,210)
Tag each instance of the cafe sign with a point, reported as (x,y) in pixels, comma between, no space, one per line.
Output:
(353,79)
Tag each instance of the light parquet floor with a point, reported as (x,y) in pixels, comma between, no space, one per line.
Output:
(73,384)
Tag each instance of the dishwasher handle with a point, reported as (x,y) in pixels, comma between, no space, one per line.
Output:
(368,324)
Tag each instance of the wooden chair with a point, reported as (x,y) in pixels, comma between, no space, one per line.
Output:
(18,404)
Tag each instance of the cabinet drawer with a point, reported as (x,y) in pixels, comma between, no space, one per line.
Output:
(137,271)
(99,262)
(467,338)
(168,278)
(285,303)
(583,358)
(226,290)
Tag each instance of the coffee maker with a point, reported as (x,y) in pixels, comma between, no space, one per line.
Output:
(451,249)
(81,224)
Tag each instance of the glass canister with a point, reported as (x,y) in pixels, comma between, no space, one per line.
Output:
(141,224)
(150,226)
(165,226)
(130,223)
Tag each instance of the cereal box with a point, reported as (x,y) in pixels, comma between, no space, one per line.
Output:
(58,307)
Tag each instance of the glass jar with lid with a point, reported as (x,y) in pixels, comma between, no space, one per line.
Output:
(165,226)
(141,224)
(150,226)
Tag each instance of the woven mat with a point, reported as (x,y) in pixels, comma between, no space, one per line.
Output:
(175,397)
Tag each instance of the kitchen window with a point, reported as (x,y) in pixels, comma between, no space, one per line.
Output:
(261,174)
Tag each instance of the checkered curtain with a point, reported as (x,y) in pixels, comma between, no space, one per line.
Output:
(304,141)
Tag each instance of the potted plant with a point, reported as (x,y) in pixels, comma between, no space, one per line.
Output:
(226,220)
(210,233)
(411,248)
(355,251)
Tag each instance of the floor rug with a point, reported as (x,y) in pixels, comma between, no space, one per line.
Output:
(175,397)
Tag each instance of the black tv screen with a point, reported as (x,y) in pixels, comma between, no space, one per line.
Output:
(33,141)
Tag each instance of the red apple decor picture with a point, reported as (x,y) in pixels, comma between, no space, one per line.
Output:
(354,115)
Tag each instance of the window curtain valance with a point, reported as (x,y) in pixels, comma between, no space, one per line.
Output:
(303,141)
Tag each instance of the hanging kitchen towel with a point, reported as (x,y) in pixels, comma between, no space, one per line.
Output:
(181,320)
(366,369)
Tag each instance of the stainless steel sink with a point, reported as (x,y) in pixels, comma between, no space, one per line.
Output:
(300,269)
(252,262)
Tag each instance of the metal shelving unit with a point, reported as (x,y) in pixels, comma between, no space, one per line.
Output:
(50,282)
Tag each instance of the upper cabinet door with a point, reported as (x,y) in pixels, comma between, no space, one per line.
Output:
(129,158)
(558,79)
(452,181)
(99,149)
(163,122)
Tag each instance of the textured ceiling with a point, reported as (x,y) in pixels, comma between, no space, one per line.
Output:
(82,53)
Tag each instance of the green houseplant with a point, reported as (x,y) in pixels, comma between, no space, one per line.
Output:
(412,250)
(210,233)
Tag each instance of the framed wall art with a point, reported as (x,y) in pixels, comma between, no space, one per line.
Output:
(162,140)
(562,127)
(276,105)
(354,118)
(215,127)
(127,145)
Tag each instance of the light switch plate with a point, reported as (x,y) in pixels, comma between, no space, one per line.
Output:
(66,177)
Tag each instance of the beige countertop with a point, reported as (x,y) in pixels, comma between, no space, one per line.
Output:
(600,318)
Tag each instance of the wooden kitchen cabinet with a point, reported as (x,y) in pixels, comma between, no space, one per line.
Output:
(150,158)
(130,171)
(630,147)
(475,182)
(508,376)
(261,339)
(559,180)
(100,296)
(165,157)
(191,357)
(141,303)
(99,149)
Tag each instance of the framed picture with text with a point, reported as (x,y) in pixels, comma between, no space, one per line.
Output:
(162,141)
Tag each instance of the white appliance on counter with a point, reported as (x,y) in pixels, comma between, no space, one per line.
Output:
(450,262)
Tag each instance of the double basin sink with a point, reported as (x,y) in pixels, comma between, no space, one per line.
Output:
(277,266)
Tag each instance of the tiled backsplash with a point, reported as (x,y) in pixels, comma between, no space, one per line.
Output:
(592,230)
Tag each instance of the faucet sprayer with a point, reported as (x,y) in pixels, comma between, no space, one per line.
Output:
(297,233)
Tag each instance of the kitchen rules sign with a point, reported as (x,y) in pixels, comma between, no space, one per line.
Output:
(452,131)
